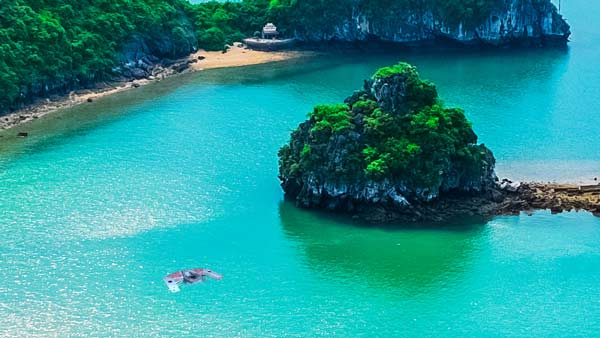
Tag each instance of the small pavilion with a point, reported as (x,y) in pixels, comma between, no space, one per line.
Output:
(268,39)
(269,31)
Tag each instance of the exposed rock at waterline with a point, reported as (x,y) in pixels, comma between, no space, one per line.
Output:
(499,200)
(144,55)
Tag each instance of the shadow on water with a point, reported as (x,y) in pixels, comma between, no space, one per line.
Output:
(410,260)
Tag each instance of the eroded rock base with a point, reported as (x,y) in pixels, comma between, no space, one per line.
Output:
(508,199)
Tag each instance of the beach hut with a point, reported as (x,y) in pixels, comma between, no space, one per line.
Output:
(269,31)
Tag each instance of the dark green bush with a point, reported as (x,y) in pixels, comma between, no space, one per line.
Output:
(416,144)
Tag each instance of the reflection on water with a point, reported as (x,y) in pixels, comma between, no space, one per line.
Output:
(409,260)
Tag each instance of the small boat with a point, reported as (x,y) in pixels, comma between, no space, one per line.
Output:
(191,276)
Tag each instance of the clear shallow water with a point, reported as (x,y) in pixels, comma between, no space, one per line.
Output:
(115,194)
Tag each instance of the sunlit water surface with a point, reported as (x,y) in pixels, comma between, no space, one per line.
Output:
(104,200)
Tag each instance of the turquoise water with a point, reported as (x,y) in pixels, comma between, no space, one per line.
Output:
(102,201)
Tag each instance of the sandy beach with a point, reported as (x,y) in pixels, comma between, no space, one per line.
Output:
(236,56)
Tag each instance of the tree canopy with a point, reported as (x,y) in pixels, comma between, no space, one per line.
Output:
(415,140)
(46,45)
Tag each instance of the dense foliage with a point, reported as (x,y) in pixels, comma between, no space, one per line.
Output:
(220,23)
(46,45)
(395,129)
(50,46)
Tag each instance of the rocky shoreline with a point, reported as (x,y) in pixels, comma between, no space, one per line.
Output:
(507,198)
(553,196)
(131,78)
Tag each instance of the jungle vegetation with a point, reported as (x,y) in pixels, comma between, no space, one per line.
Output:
(416,142)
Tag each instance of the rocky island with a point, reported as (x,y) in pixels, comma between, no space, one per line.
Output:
(392,151)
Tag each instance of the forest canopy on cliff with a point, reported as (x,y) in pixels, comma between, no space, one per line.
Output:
(395,129)
(50,44)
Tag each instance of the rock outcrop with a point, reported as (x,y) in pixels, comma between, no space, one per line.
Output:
(498,23)
(549,196)
(391,152)
(391,145)
(504,198)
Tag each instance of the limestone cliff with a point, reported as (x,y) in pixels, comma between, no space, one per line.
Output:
(499,23)
(391,144)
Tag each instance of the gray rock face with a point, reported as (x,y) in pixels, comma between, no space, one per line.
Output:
(529,22)
(334,176)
